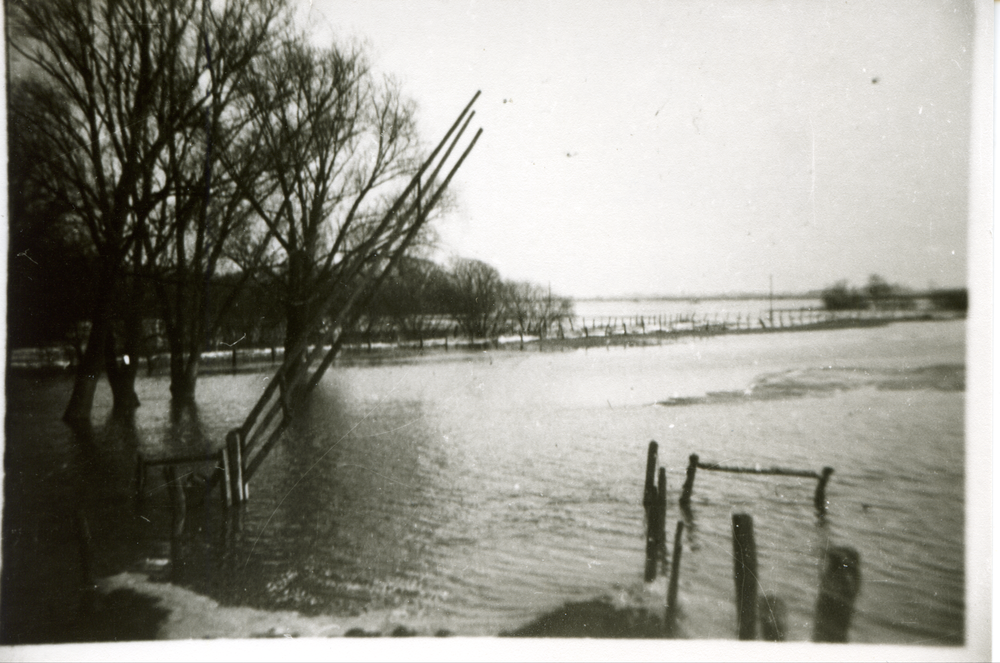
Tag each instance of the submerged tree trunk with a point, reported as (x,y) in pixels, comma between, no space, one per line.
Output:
(121,374)
(185,381)
(88,372)
(296,332)
(185,364)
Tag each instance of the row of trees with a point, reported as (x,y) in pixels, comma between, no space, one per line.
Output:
(419,299)
(168,154)
(879,294)
(485,305)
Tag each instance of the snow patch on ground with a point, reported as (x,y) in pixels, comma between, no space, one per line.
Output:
(193,616)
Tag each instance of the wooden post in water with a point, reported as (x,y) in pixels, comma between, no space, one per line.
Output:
(656,541)
(650,501)
(649,493)
(178,513)
(773,616)
(745,575)
(675,570)
(224,485)
(235,452)
(819,500)
(178,504)
(85,544)
(661,508)
(689,480)
(838,588)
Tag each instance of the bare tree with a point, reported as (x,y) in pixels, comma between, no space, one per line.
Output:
(337,145)
(533,309)
(207,225)
(413,295)
(98,70)
(551,310)
(131,94)
(522,299)
(477,299)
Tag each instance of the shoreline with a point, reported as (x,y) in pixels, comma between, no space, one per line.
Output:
(260,359)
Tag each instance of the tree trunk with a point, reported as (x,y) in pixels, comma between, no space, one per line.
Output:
(295,328)
(184,366)
(88,372)
(184,382)
(121,376)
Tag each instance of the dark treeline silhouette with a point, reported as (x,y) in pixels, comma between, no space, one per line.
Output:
(420,300)
(879,294)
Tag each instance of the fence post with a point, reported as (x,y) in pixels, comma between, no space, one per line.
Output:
(773,616)
(235,451)
(837,590)
(661,513)
(745,575)
(675,570)
(819,500)
(225,486)
(85,545)
(177,500)
(650,502)
(689,480)
(650,491)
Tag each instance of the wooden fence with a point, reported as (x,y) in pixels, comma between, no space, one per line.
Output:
(839,582)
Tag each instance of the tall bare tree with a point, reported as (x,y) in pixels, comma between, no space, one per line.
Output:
(478,299)
(337,145)
(207,225)
(118,90)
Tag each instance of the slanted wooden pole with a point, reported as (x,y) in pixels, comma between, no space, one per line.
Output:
(819,501)
(689,480)
(838,589)
(675,571)
(745,575)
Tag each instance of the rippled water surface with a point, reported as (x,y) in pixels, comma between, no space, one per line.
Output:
(474,492)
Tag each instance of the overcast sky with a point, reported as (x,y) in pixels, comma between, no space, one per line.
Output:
(692,147)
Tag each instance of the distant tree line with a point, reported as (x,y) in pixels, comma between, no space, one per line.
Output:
(879,294)
(419,300)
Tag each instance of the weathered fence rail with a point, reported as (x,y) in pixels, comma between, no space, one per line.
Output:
(694,464)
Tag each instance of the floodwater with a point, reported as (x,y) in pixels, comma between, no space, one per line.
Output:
(474,492)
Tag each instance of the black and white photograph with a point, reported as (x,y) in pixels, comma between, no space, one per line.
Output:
(495,330)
